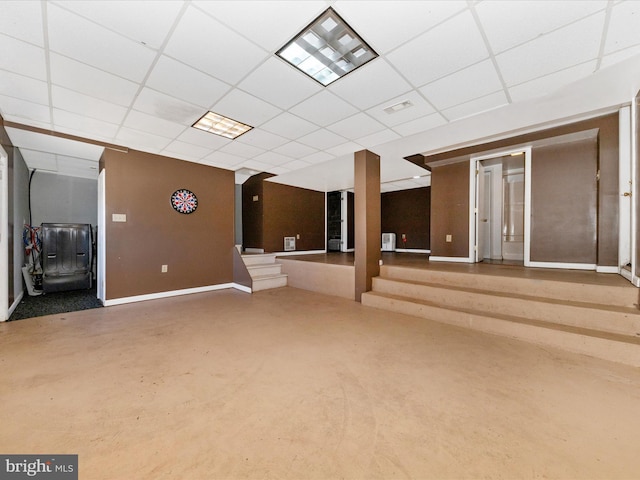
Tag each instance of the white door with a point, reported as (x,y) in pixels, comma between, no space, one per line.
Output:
(101,238)
(4,241)
(482,220)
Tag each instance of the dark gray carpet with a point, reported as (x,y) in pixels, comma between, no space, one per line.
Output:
(53,303)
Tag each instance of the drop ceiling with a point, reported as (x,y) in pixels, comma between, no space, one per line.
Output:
(140,73)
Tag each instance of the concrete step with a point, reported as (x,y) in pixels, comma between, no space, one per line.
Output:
(258,258)
(608,346)
(266,282)
(624,295)
(261,270)
(592,316)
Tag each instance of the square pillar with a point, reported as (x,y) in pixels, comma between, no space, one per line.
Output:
(367,220)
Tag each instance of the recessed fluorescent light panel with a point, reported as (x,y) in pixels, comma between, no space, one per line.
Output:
(223,126)
(327,49)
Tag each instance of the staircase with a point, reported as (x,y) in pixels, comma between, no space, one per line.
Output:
(597,320)
(265,272)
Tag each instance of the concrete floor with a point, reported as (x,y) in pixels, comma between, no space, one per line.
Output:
(289,384)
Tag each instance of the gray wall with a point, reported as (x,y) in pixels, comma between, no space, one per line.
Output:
(63,199)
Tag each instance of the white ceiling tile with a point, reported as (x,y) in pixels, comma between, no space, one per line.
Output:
(450,46)
(318,157)
(283,18)
(256,165)
(55,145)
(221,158)
(94,45)
(259,138)
(322,139)
(289,126)
(153,124)
(146,21)
(272,158)
(508,24)
(203,139)
(20,57)
(291,87)
(23,20)
(549,83)
(543,55)
(91,81)
(142,140)
(295,150)
(186,83)
(62,118)
(38,160)
(324,108)
(346,148)
(245,108)
(185,150)
(242,150)
(460,87)
(370,85)
(91,174)
(378,138)
(279,170)
(419,108)
(209,46)
(476,106)
(619,56)
(71,101)
(420,124)
(168,108)
(24,110)
(295,165)
(372,22)
(24,88)
(66,162)
(357,126)
(624,28)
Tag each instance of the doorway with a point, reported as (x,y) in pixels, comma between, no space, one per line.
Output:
(4,233)
(498,219)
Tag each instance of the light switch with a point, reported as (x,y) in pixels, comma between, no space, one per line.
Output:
(448,239)
(119,217)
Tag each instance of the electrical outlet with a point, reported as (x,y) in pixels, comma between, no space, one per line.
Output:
(165,268)
(298,237)
(448,238)
(119,217)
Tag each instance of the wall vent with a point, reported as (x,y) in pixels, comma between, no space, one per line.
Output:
(289,244)
(388,242)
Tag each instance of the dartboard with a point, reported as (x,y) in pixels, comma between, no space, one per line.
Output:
(184,201)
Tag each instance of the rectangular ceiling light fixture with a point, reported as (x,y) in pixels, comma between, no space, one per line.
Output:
(327,49)
(223,126)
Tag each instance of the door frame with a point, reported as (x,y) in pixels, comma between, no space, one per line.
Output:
(473,189)
(4,233)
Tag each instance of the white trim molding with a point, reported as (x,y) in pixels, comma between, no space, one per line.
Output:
(173,293)
(15,303)
(566,266)
(412,250)
(451,259)
(299,252)
(242,288)
(607,269)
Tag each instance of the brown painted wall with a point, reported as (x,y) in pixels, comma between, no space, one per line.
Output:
(252,211)
(198,248)
(608,148)
(290,211)
(564,201)
(408,212)
(450,210)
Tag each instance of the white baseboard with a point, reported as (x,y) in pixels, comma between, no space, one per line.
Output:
(254,250)
(242,288)
(15,303)
(565,266)
(602,269)
(412,250)
(451,259)
(348,250)
(173,293)
(299,252)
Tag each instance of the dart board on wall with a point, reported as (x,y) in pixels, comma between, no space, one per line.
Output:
(184,201)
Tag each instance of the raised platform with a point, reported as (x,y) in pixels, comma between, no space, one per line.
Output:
(583,312)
